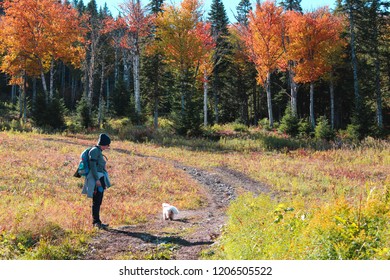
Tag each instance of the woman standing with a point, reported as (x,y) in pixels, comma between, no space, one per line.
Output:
(97,179)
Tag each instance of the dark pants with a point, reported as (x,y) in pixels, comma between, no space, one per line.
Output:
(97,202)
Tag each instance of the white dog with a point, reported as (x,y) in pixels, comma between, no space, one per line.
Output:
(169,211)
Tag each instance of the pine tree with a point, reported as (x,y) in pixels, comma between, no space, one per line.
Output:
(291,5)
(367,20)
(155,6)
(374,19)
(154,70)
(243,71)
(243,9)
(219,30)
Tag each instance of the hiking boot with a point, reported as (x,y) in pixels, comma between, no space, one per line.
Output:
(100,225)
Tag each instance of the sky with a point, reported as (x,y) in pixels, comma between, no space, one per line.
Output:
(230,5)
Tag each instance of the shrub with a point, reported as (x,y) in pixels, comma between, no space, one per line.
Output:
(84,117)
(323,131)
(274,143)
(352,133)
(264,124)
(117,124)
(239,127)
(304,128)
(49,116)
(136,133)
(262,228)
(289,123)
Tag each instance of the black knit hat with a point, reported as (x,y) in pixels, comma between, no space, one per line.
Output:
(104,140)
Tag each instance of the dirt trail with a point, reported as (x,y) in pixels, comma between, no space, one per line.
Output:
(185,237)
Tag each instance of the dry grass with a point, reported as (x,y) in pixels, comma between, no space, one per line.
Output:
(38,192)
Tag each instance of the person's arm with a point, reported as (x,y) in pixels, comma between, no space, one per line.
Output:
(93,158)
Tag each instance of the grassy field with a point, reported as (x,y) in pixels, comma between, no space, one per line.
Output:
(330,204)
(42,211)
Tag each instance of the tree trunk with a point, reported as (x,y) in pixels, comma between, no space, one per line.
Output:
(331,91)
(107,94)
(294,97)
(101,99)
(312,118)
(375,7)
(269,100)
(216,98)
(378,94)
(73,90)
(20,100)
(156,96)
(155,112)
(34,97)
(255,110)
(205,92)
(353,54)
(91,71)
(293,89)
(245,109)
(116,68)
(51,80)
(183,91)
(126,70)
(13,93)
(23,100)
(44,86)
(137,89)
(101,111)
(63,74)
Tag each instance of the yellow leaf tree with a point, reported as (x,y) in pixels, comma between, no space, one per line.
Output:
(186,42)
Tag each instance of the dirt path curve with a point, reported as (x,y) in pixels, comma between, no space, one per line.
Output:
(185,237)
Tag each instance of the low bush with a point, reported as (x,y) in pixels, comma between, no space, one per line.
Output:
(289,123)
(323,131)
(262,228)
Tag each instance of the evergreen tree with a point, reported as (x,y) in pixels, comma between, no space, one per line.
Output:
(219,28)
(242,72)
(155,6)
(367,21)
(243,9)
(79,5)
(1,8)
(374,18)
(49,115)
(154,72)
(291,5)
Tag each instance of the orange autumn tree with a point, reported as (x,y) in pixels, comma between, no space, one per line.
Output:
(264,40)
(36,33)
(313,38)
(185,41)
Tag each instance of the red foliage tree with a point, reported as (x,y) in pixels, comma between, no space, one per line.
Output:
(264,40)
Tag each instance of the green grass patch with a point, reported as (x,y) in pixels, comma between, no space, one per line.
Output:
(262,228)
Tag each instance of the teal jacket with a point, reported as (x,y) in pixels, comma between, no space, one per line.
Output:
(97,163)
(97,166)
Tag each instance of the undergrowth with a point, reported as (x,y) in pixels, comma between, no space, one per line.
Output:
(262,228)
